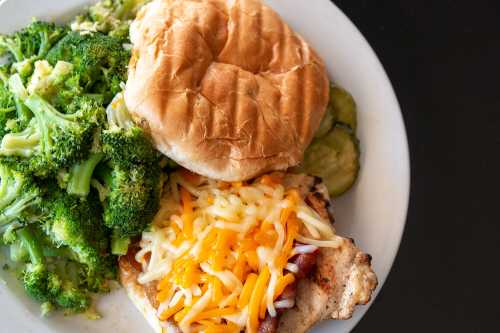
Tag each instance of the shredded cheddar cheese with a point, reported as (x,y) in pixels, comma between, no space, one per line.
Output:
(220,251)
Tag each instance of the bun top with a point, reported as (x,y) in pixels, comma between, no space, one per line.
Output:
(227,91)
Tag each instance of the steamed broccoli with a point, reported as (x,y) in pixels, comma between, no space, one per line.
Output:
(52,140)
(30,44)
(100,61)
(112,17)
(7,105)
(66,251)
(131,182)
(18,92)
(132,200)
(42,282)
(74,186)
(47,81)
(124,142)
(19,196)
(81,175)
(7,102)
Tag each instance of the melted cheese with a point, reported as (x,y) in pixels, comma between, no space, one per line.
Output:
(220,251)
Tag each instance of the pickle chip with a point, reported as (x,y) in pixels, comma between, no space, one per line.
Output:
(326,123)
(334,158)
(344,107)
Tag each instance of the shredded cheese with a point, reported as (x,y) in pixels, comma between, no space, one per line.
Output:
(220,253)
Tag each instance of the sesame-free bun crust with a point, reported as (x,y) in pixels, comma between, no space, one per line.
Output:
(228,91)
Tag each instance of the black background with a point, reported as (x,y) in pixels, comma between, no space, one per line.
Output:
(445,277)
(390,28)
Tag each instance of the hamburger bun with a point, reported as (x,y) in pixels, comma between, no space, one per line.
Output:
(228,91)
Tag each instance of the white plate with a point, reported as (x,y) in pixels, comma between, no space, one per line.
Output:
(373,212)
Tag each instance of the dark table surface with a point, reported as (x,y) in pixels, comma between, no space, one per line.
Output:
(390,27)
(445,276)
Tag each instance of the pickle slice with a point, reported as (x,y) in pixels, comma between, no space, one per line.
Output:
(343,106)
(334,158)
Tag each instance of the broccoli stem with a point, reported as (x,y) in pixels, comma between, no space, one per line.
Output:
(18,252)
(31,244)
(41,108)
(17,87)
(20,144)
(119,244)
(44,44)
(3,77)
(46,115)
(81,174)
(9,186)
(12,212)
(23,114)
(9,44)
(20,94)
(6,110)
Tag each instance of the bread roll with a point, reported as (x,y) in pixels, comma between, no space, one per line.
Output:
(228,91)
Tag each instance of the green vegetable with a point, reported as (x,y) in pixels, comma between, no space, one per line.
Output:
(30,44)
(55,84)
(125,143)
(133,198)
(132,179)
(16,87)
(343,106)
(7,105)
(19,196)
(100,61)
(112,17)
(81,175)
(44,284)
(334,158)
(75,186)
(52,140)
(18,252)
(119,244)
(326,124)
(64,255)
(76,223)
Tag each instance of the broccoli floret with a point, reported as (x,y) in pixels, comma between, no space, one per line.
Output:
(81,175)
(99,60)
(132,181)
(52,140)
(132,200)
(129,147)
(76,223)
(109,16)
(20,93)
(19,196)
(7,102)
(30,44)
(59,85)
(44,284)
(7,105)
(124,142)
(47,80)
(24,143)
